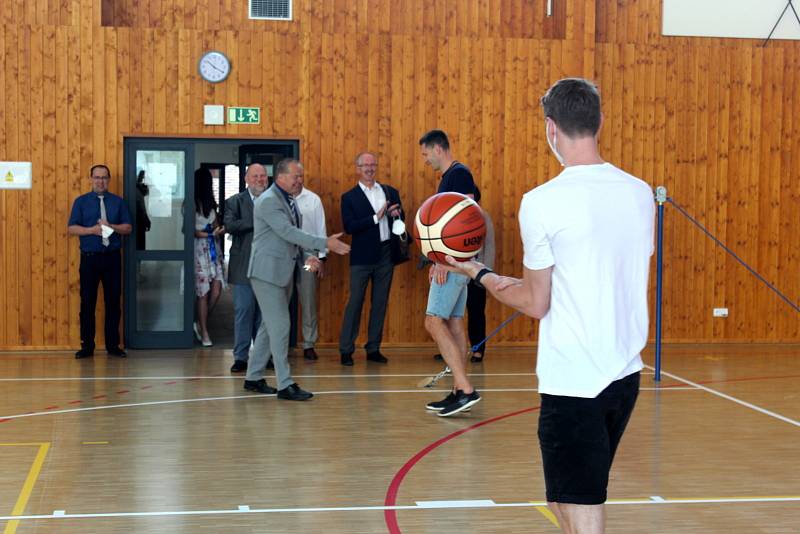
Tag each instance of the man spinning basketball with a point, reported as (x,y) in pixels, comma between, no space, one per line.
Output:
(587,237)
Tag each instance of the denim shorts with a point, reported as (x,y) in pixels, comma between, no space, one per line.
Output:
(448,300)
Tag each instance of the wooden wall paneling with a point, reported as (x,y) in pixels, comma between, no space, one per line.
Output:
(150,82)
(628,110)
(290,96)
(135,83)
(739,132)
(699,162)
(122,80)
(113,150)
(53,230)
(24,236)
(160,96)
(310,114)
(5,196)
(12,143)
(637,113)
(788,243)
(720,199)
(750,206)
(715,62)
(769,190)
(673,224)
(615,103)
(76,180)
(186,72)
(62,183)
(37,216)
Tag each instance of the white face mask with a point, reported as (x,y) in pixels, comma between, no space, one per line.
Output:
(398,227)
(553,145)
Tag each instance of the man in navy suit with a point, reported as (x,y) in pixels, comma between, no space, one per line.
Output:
(366,212)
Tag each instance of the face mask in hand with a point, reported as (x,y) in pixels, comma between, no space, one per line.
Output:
(398,227)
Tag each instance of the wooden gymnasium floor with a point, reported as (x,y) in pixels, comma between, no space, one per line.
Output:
(169,442)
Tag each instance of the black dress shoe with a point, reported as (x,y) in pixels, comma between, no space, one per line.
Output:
(239,366)
(294,392)
(259,386)
(270,364)
(438,357)
(347,359)
(310,354)
(116,351)
(377,357)
(84,353)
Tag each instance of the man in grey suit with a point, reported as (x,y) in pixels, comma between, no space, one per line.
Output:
(239,223)
(278,244)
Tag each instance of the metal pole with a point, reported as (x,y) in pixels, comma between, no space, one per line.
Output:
(661,197)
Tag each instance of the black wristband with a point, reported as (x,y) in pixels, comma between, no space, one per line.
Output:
(323,259)
(483,272)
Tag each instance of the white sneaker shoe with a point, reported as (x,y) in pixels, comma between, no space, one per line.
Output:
(197,331)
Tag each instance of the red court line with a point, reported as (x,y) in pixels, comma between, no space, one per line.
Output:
(75,402)
(99,396)
(145,387)
(172,382)
(390,516)
(123,391)
(52,408)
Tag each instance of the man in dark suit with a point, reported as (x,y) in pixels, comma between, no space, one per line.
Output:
(364,214)
(277,252)
(239,223)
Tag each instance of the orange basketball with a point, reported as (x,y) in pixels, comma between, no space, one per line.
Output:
(449,224)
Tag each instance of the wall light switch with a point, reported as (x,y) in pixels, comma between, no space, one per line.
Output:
(213,115)
(720,312)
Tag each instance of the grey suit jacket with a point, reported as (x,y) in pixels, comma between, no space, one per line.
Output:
(239,223)
(277,243)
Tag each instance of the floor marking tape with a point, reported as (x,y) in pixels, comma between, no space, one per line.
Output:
(428,506)
(734,399)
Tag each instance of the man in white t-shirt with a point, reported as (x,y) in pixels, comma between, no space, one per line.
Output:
(587,237)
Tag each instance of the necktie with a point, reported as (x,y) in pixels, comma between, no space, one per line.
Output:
(103,217)
(293,206)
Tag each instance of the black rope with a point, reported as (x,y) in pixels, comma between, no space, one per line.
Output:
(737,258)
(788,5)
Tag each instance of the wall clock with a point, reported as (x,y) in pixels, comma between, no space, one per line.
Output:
(214,66)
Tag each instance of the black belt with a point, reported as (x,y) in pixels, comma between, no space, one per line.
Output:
(386,243)
(104,253)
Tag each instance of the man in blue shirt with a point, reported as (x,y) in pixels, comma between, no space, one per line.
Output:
(100,218)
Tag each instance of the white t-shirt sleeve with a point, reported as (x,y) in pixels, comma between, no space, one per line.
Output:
(535,243)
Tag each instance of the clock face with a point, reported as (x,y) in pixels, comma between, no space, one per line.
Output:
(214,66)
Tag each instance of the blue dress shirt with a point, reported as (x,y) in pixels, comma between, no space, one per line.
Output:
(86,212)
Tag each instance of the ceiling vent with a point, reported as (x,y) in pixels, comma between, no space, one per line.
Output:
(271,9)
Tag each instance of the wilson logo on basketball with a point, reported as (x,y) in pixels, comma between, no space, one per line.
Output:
(473,241)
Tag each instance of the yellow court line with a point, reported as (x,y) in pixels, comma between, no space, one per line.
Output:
(94,442)
(27,488)
(545,511)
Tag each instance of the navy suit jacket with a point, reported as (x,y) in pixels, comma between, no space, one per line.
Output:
(357,216)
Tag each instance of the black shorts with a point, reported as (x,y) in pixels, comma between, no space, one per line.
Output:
(579,437)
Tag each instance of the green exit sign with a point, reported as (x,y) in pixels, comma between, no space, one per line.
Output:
(244,115)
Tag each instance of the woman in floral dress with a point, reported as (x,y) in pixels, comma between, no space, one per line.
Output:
(208,271)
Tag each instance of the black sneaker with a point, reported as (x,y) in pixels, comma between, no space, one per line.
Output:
(462,402)
(437,406)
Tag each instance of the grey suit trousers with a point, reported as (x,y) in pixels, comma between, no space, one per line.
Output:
(273,334)
(307,284)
